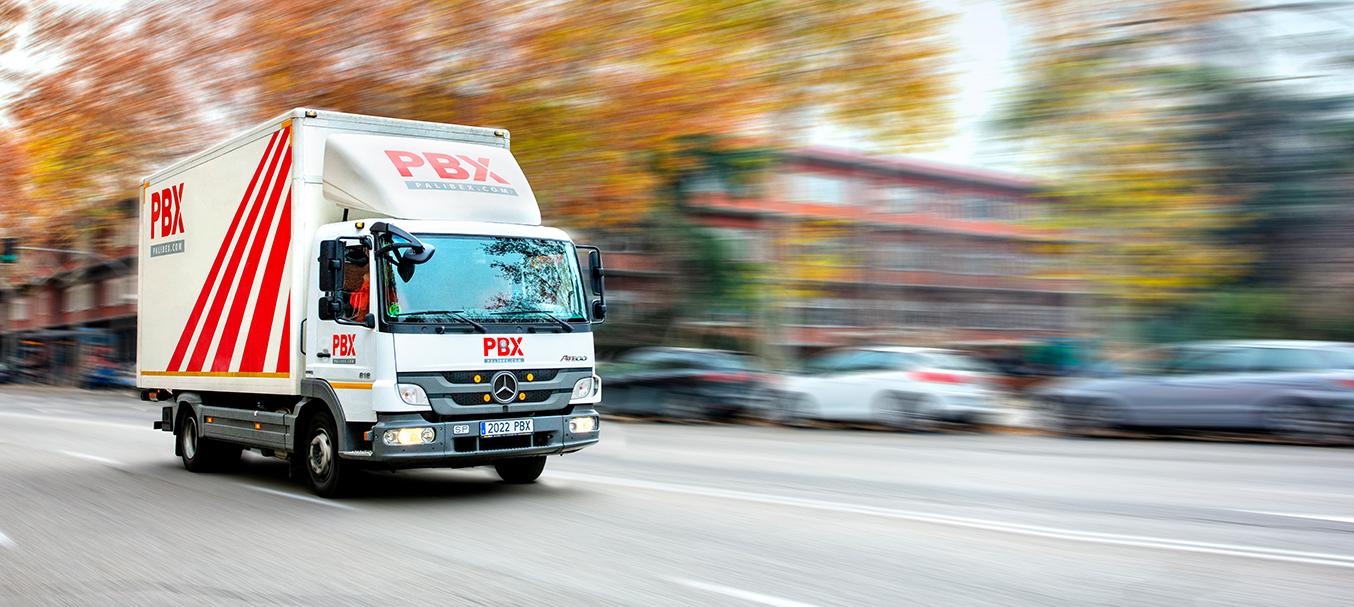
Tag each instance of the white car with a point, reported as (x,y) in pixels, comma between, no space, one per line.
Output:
(895,386)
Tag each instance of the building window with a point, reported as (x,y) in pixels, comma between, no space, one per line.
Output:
(18,308)
(78,298)
(819,189)
(900,199)
(977,207)
(740,245)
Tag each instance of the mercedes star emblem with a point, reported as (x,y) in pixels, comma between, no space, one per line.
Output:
(505,387)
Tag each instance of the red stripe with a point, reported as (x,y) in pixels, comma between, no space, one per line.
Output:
(284,348)
(265,310)
(186,337)
(228,340)
(223,293)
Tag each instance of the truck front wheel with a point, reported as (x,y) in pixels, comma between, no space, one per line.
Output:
(327,471)
(520,470)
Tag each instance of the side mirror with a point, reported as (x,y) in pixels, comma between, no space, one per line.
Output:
(599,310)
(595,268)
(326,311)
(369,321)
(331,265)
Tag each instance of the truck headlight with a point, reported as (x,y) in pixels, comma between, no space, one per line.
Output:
(596,385)
(409,436)
(582,389)
(581,425)
(412,394)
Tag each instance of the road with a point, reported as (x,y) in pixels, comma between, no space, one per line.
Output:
(96,510)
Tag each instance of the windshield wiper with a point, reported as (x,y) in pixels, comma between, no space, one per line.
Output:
(458,314)
(567,327)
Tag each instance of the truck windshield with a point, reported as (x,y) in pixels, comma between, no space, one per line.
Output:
(485,279)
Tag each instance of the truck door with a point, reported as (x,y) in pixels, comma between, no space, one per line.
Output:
(344,344)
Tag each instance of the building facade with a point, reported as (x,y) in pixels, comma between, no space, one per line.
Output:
(67,312)
(855,248)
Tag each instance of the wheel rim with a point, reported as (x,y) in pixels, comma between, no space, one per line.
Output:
(1302,422)
(190,439)
(321,454)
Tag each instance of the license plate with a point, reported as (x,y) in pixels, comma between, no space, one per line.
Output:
(509,427)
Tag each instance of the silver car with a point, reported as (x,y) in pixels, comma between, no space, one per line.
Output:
(895,386)
(1298,389)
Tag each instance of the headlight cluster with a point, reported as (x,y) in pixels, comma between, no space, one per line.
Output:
(580,425)
(409,436)
(412,394)
(582,389)
(588,386)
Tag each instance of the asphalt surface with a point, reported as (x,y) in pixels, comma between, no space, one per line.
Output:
(96,510)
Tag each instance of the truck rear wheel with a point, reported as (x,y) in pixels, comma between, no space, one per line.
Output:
(201,454)
(520,470)
(328,473)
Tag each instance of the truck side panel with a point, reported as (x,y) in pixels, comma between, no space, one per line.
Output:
(218,250)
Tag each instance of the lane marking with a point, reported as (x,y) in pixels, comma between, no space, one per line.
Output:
(303,498)
(5,541)
(94,458)
(1319,517)
(1254,552)
(80,421)
(740,594)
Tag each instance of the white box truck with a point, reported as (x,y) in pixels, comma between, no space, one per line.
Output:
(346,291)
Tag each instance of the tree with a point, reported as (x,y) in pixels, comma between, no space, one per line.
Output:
(594,90)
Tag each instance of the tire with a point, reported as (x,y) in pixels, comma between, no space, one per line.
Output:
(679,406)
(520,470)
(902,412)
(202,454)
(328,473)
(1086,419)
(793,411)
(1305,423)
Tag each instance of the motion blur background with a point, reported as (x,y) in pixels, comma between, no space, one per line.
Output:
(1041,183)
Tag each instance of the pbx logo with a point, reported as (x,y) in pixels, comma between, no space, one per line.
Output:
(504,346)
(345,345)
(445,165)
(166,211)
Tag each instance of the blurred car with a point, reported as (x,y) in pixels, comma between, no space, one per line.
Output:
(7,374)
(902,387)
(1298,389)
(682,383)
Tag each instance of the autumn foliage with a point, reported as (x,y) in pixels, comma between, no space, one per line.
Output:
(598,95)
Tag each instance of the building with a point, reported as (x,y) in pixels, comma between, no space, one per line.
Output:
(856,248)
(69,310)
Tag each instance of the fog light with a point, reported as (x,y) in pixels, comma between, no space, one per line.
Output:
(412,394)
(581,425)
(582,389)
(409,436)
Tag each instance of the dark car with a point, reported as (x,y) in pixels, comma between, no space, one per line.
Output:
(1298,389)
(681,383)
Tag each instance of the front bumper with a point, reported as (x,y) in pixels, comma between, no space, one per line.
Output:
(458,444)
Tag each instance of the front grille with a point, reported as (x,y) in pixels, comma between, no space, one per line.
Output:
(468,377)
(470,398)
(477,398)
(467,444)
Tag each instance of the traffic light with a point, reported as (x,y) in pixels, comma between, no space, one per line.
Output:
(10,255)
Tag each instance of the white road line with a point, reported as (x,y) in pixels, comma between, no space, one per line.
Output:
(1271,554)
(76,420)
(95,458)
(303,498)
(740,594)
(5,541)
(1319,517)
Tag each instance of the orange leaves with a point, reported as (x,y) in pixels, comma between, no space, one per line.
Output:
(593,92)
